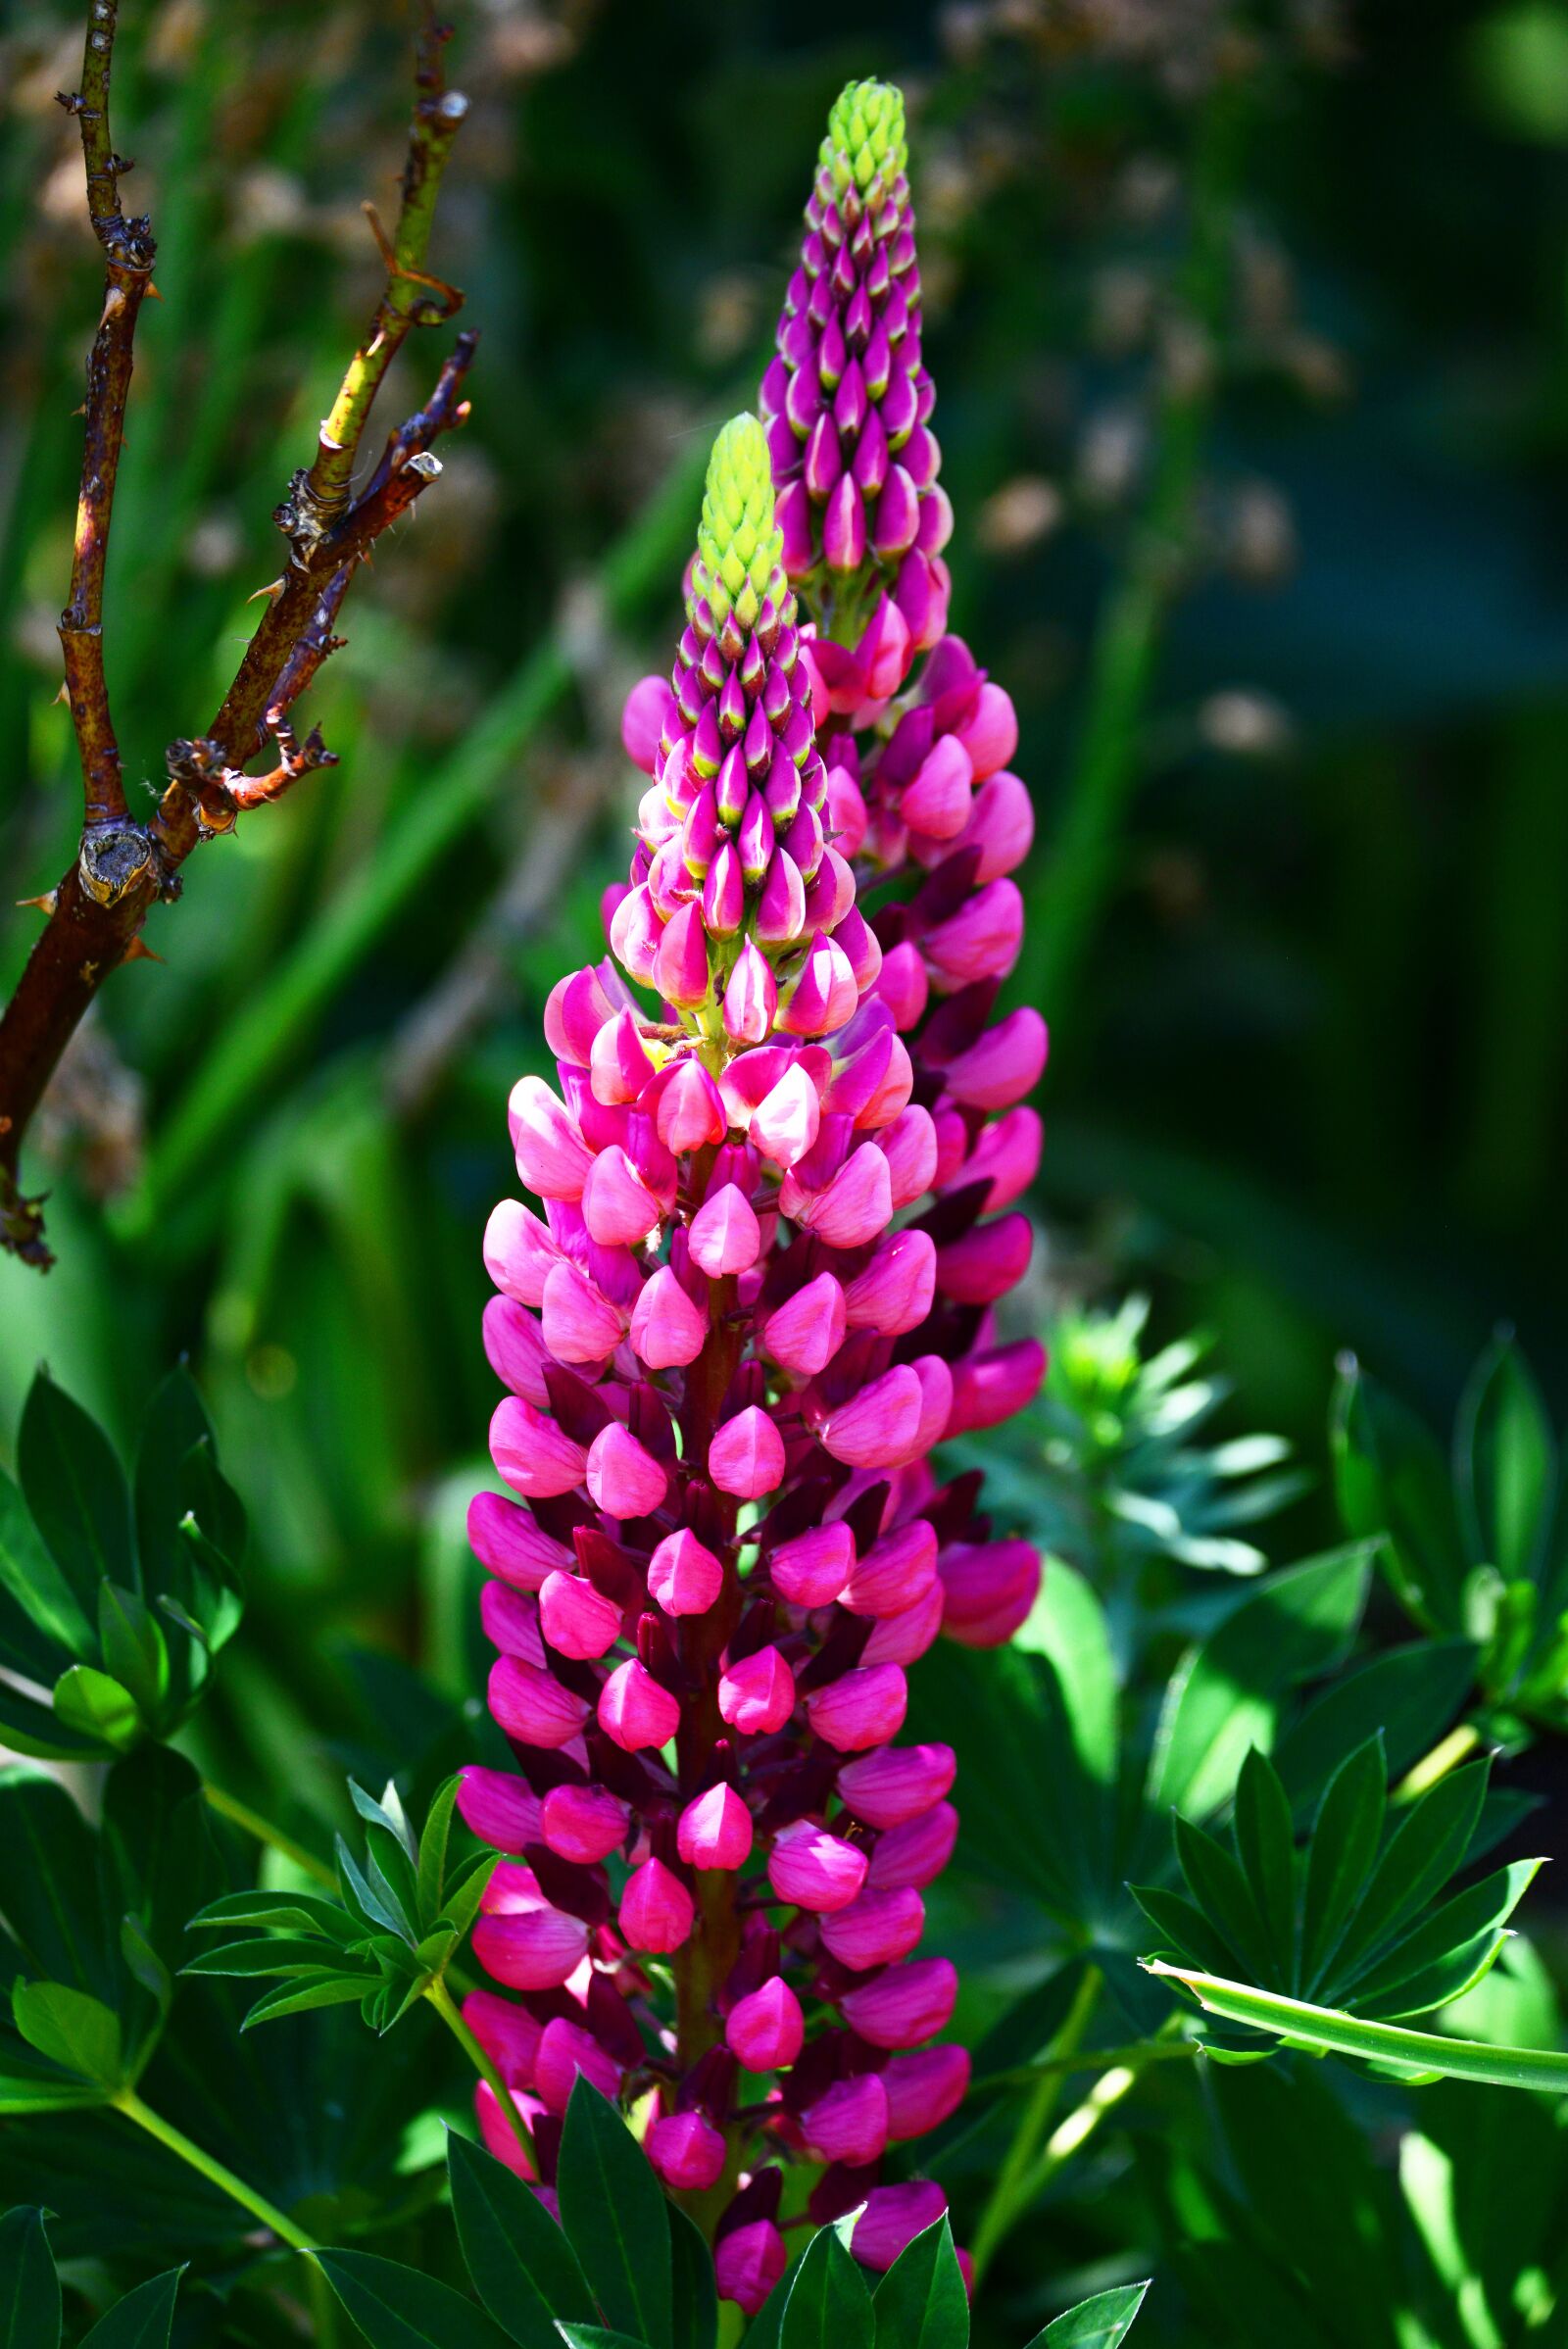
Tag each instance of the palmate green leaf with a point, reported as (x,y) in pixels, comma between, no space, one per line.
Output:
(73,2029)
(1330,2032)
(276,1954)
(1265,1846)
(1409,1694)
(143,2320)
(921,2302)
(1392,1485)
(613,2209)
(1425,1849)
(29,2288)
(397,2308)
(1098,2324)
(828,2305)
(1505,1465)
(293,1912)
(1220,1889)
(694,2287)
(301,1998)
(522,2266)
(75,1489)
(1445,1956)
(433,1850)
(1346,1836)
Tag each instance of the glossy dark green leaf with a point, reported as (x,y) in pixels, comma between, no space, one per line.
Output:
(829,2306)
(135,1652)
(52,1617)
(1426,1848)
(1181,1925)
(434,1840)
(70,2029)
(695,2287)
(29,2289)
(303,1998)
(94,1705)
(613,2209)
(1221,1890)
(1438,1959)
(38,1730)
(522,2266)
(397,2308)
(1265,1844)
(1411,1694)
(1224,1697)
(921,2303)
(49,1883)
(1506,1460)
(1346,1836)
(1098,2324)
(1391,1479)
(143,2320)
(177,1423)
(75,1490)
(597,2336)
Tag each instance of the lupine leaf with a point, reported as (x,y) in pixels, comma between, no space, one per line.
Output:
(75,1490)
(921,2302)
(70,2029)
(1505,1461)
(93,1705)
(44,1595)
(1410,1695)
(143,2320)
(1098,2324)
(33,1729)
(695,2287)
(1345,1836)
(397,2308)
(1335,2032)
(29,2288)
(1221,1890)
(302,1998)
(1391,1481)
(1425,1849)
(433,1839)
(613,2209)
(829,2306)
(522,2266)
(49,1883)
(1265,1846)
(597,2336)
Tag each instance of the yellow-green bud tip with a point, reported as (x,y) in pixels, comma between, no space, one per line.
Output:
(737,542)
(865,139)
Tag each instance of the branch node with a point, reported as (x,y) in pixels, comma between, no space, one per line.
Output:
(113,857)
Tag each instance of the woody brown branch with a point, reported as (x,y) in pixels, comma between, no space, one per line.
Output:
(95,914)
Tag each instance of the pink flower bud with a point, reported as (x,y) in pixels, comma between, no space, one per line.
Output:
(916,1852)
(746,1458)
(1003,1065)
(578,1620)
(860,1709)
(990,734)
(844,816)
(666,1326)
(751,997)
(530,1947)
(500,2138)
(553,1157)
(725,1235)
(715,1829)
(687,2151)
(645,716)
(656,1909)
(849,2124)
(821,994)
(806,1330)
(519,1251)
(894,1293)
(618,1063)
(814,1870)
(1008,1152)
(844,526)
(892,2219)
(624,1480)
(892,1576)
(880,1427)
(748,2263)
(905,2005)
(498,1807)
(756,1694)
(575,1010)
(909,1147)
(938,801)
(684,1578)
(851,1209)
(1001,826)
(766,2031)
(690,1111)
(988,1262)
(902,985)
(876,1930)
(510,1622)
(897,1785)
(812,1570)
(981,941)
(618,1205)
(531,1705)
(990,1388)
(579,1322)
(924,2089)
(680,967)
(508,2033)
(515,1350)
(532,1452)
(565,2051)
(583,1824)
(505,1539)
(635,1710)
(784,1124)
(903,1638)
(936,1398)
(989,1587)
(781,907)
(724,893)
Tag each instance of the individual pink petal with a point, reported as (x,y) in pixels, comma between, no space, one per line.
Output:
(635,1710)
(814,1870)
(1008,1154)
(756,1694)
(667,1327)
(565,2051)
(498,1806)
(896,1784)
(515,1350)
(989,1587)
(680,967)
(990,734)
(806,1330)
(684,1578)
(751,997)
(618,1205)
(553,1157)
(687,2151)
(532,1454)
(924,2089)
(508,2033)
(892,2219)
(880,1427)
(746,1458)
(507,1538)
(876,1930)
(510,1622)
(784,1124)
(578,1620)
(894,1293)
(579,1322)
(916,1852)
(989,1387)
(725,1235)
(1002,1065)
(531,1705)
(897,1571)
(534,1947)
(583,1823)
(812,1570)
(656,1909)
(648,714)
(855,1205)
(748,2263)
(624,1479)
(500,2138)
(860,1709)
(909,1145)
(575,1010)
(981,941)
(766,2031)
(688,1111)
(905,2005)
(1001,826)
(938,801)
(519,1251)
(714,1830)
(849,2124)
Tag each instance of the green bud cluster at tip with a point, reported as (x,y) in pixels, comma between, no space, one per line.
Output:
(866,138)
(739,545)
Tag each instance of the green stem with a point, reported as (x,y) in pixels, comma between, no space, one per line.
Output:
(228,1806)
(1444,1757)
(1008,2199)
(1127,640)
(132,2105)
(1136,2053)
(451,2013)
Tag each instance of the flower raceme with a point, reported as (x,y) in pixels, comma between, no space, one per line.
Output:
(755,1294)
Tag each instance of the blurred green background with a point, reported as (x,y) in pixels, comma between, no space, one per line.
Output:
(1251,334)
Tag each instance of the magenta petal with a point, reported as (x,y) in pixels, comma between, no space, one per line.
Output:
(624,1480)
(746,1458)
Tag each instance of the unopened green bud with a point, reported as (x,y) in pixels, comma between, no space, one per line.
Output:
(865,139)
(738,541)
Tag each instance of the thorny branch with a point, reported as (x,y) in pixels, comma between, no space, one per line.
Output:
(94,916)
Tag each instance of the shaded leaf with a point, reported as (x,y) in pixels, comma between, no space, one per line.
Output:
(921,2302)
(1097,2324)
(522,2266)
(29,2288)
(695,2287)
(613,2209)
(397,2308)
(143,2320)
(828,2305)
(75,1490)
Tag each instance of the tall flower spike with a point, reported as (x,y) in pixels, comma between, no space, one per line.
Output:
(848,402)
(730,1546)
